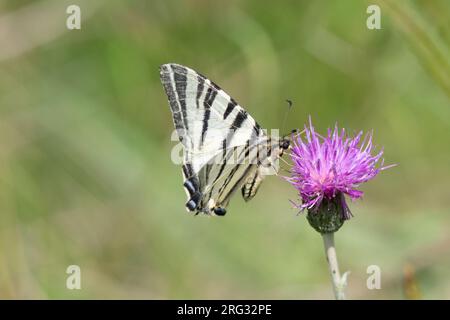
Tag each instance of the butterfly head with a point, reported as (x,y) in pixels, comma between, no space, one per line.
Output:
(285,142)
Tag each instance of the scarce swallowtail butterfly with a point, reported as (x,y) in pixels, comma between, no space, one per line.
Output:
(224,147)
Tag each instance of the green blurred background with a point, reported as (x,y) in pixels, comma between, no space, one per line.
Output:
(85,170)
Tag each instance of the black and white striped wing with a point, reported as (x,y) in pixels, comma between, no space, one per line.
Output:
(221,140)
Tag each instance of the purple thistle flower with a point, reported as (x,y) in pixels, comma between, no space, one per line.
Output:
(327,168)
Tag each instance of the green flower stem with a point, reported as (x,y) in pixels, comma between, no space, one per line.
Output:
(330,251)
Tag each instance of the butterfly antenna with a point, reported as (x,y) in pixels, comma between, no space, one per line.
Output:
(289,102)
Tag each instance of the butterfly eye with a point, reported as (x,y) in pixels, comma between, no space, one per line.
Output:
(285,144)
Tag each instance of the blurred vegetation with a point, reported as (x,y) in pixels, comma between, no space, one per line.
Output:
(85,170)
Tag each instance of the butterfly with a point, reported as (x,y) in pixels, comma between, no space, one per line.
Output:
(225,149)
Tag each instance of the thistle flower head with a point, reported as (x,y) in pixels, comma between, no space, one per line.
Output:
(327,168)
